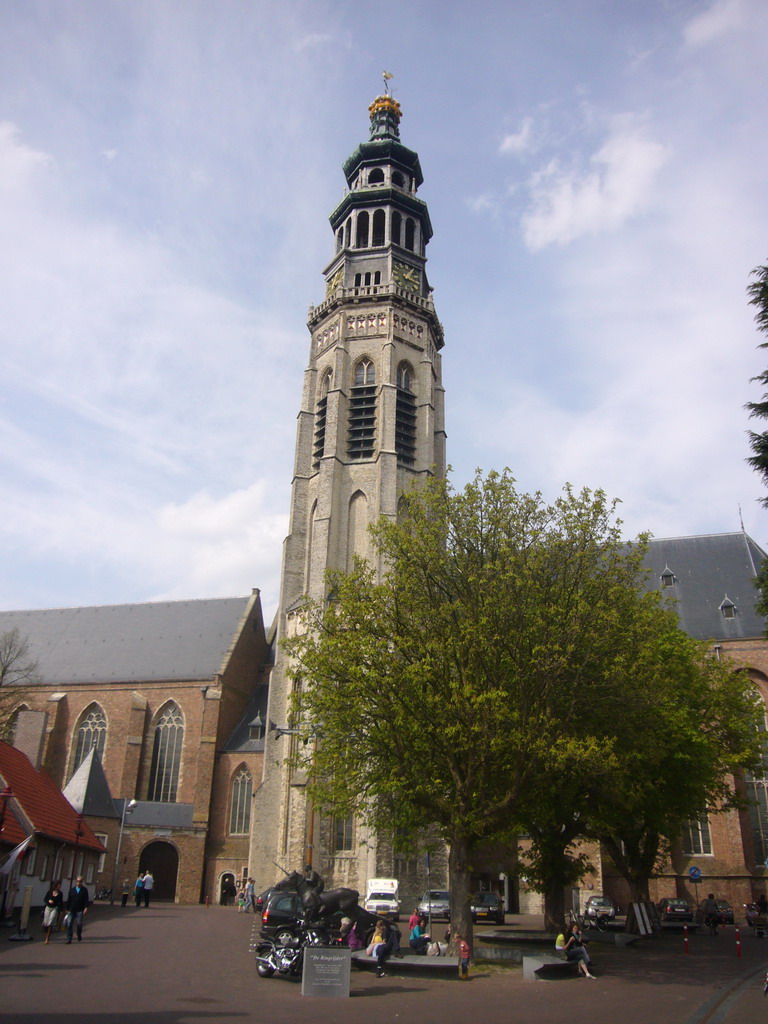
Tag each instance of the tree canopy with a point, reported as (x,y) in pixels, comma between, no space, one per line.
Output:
(17,670)
(491,660)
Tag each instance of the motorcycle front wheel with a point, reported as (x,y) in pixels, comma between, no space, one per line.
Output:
(264,970)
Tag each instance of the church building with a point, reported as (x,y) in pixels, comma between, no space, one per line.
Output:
(168,724)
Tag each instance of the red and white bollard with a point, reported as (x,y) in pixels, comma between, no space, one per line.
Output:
(685,938)
(738,943)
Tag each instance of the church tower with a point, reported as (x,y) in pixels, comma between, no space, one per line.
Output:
(370,426)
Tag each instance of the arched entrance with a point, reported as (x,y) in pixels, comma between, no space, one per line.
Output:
(162,861)
(227,889)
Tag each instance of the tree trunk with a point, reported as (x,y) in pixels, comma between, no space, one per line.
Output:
(554,908)
(459,878)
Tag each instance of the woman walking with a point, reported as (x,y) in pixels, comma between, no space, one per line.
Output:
(54,904)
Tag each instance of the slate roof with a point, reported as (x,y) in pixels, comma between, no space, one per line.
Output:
(88,789)
(706,570)
(169,640)
(38,800)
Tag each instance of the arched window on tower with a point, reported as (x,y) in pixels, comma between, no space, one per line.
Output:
(397,222)
(166,754)
(379,220)
(348,233)
(240,802)
(362,230)
(405,416)
(398,179)
(339,239)
(376,177)
(91,733)
(362,412)
(410,233)
(321,413)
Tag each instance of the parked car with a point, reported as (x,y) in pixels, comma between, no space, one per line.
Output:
(487,906)
(436,902)
(283,915)
(674,909)
(599,906)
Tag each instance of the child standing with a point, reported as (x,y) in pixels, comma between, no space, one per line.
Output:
(464,956)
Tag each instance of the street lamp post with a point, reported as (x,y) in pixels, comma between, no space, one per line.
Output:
(128,806)
(78,836)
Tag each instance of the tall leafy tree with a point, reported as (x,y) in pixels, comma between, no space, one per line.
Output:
(465,676)
(758,442)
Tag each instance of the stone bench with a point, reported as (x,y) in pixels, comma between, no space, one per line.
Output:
(409,962)
(534,967)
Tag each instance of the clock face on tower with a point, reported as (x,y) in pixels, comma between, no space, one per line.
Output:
(405,276)
(334,282)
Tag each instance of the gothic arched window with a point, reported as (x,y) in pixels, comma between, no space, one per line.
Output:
(379,221)
(362,412)
(410,233)
(320,418)
(397,221)
(405,416)
(240,804)
(166,755)
(362,230)
(91,733)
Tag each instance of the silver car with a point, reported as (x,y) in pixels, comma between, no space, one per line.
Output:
(436,902)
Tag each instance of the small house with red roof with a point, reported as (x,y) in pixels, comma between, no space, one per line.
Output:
(63,845)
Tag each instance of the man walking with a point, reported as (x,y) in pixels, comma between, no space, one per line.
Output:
(149,883)
(77,905)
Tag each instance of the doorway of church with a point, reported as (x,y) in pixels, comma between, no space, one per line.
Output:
(227,889)
(162,861)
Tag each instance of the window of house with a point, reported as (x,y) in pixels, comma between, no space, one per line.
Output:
(667,577)
(166,755)
(697,839)
(44,862)
(102,837)
(90,872)
(728,608)
(30,860)
(240,804)
(343,834)
(91,733)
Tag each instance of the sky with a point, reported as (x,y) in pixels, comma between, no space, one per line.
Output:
(595,174)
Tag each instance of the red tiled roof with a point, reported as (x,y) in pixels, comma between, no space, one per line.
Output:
(41,802)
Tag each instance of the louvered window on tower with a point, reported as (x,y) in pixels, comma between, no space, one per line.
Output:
(319,445)
(362,412)
(405,417)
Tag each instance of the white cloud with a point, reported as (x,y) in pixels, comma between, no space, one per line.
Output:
(568,204)
(520,141)
(723,16)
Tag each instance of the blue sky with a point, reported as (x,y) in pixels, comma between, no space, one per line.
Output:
(595,173)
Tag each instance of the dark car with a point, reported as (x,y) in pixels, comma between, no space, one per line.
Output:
(487,906)
(674,909)
(599,906)
(282,917)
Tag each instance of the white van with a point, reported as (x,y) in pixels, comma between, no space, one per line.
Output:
(382,897)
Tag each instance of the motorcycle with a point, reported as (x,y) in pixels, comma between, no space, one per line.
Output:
(289,959)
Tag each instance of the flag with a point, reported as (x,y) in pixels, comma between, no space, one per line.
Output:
(14,855)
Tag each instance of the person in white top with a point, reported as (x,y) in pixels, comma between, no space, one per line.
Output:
(149,883)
